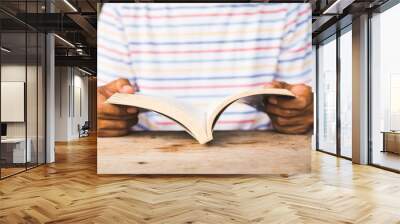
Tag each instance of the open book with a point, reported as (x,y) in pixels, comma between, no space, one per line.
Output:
(197,121)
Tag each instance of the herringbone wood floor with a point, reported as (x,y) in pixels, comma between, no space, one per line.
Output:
(70,191)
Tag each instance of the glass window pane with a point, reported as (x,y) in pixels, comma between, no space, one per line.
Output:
(31,86)
(327,97)
(385,84)
(31,97)
(346,94)
(22,76)
(13,84)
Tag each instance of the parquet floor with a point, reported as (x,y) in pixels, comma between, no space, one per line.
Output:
(69,191)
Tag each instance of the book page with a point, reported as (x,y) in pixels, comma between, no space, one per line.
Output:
(216,110)
(190,117)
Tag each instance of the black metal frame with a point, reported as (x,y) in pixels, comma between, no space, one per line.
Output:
(338,98)
(37,90)
(369,90)
(0,89)
(316,97)
(45,89)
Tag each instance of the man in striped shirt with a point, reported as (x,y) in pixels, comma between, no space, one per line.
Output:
(202,53)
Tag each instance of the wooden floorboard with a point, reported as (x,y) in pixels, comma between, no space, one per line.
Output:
(70,191)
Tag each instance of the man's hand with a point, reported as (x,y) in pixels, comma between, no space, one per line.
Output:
(291,115)
(114,120)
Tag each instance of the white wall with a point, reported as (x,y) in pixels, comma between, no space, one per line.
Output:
(80,109)
(33,127)
(62,81)
(71,102)
(15,72)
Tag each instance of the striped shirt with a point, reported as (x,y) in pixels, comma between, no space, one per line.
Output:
(203,52)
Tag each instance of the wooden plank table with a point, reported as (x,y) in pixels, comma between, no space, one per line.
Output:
(391,141)
(231,152)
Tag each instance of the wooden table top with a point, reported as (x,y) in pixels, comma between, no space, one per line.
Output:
(230,152)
